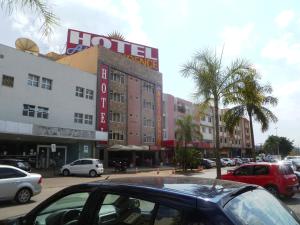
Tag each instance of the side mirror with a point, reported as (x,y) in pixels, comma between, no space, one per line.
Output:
(72,164)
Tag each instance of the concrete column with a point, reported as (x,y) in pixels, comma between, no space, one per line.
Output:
(133,158)
(105,158)
(156,156)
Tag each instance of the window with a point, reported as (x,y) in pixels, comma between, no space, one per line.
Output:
(168,216)
(221,129)
(250,208)
(210,130)
(243,171)
(117,117)
(28,110)
(7,81)
(78,162)
(62,206)
(149,138)
(10,173)
(117,209)
(261,170)
(147,87)
(118,97)
(46,83)
(78,117)
(33,80)
(117,76)
(86,162)
(89,94)
(88,119)
(203,129)
(79,92)
(42,112)
(203,118)
(225,140)
(116,135)
(209,119)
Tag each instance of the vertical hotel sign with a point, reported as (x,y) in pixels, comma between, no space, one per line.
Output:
(158,99)
(103,95)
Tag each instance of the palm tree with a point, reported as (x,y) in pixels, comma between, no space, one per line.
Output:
(213,82)
(116,35)
(251,100)
(40,7)
(186,132)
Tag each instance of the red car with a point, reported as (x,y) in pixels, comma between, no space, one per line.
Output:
(279,179)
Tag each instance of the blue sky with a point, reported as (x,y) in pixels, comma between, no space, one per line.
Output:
(264,32)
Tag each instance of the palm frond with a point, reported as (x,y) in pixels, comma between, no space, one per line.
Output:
(232,117)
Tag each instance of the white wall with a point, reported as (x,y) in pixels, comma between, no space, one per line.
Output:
(61,100)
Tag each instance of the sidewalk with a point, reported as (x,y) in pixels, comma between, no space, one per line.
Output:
(49,173)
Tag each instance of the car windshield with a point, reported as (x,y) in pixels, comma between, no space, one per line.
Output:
(260,208)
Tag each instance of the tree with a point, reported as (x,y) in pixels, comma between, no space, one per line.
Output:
(49,19)
(251,99)
(116,35)
(186,132)
(275,144)
(213,82)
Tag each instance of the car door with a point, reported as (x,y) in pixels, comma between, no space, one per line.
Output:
(86,166)
(68,207)
(243,174)
(123,209)
(9,182)
(261,175)
(75,167)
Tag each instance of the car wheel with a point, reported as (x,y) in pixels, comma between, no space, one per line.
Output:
(228,164)
(23,195)
(66,172)
(92,173)
(289,196)
(273,190)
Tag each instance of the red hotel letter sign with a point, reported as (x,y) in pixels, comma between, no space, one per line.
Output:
(102,111)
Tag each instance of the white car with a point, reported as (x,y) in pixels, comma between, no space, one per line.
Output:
(227,162)
(91,167)
(17,184)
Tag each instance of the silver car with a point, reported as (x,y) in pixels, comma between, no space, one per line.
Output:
(17,184)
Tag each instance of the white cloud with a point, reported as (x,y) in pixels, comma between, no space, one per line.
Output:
(284,18)
(236,38)
(95,16)
(285,47)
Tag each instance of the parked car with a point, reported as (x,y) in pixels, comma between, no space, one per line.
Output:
(227,162)
(238,161)
(91,167)
(277,178)
(19,163)
(160,201)
(18,185)
(207,163)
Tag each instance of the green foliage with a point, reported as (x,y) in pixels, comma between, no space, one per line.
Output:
(187,130)
(275,143)
(41,7)
(213,83)
(187,158)
(250,99)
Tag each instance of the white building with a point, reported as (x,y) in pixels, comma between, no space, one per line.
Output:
(42,103)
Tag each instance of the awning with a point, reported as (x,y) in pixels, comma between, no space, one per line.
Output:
(128,148)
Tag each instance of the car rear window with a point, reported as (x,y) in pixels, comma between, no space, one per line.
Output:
(259,207)
(285,170)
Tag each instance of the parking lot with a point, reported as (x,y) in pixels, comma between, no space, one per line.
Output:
(53,185)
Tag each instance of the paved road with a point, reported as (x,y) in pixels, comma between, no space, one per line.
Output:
(53,185)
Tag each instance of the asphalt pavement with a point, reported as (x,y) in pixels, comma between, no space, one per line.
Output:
(53,185)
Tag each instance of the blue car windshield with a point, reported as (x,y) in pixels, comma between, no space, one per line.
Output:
(260,208)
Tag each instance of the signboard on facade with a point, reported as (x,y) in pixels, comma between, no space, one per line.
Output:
(102,117)
(53,147)
(79,40)
(85,148)
(158,98)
